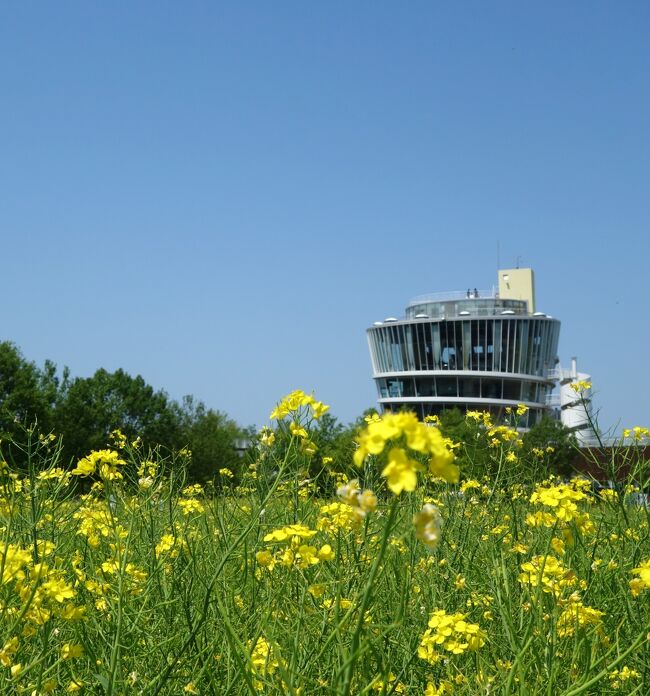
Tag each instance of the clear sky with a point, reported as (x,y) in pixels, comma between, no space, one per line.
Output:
(222,197)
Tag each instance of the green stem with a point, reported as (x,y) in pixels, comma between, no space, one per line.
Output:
(365,599)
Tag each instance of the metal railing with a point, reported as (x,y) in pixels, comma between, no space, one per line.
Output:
(454,295)
(561,373)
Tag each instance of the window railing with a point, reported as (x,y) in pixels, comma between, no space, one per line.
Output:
(470,294)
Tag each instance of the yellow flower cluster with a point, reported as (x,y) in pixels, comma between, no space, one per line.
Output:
(562,498)
(482,417)
(54,474)
(267,437)
(445,687)
(147,472)
(105,462)
(642,581)
(576,616)
(582,385)
(469,485)
(264,661)
(118,438)
(540,452)
(97,522)
(293,402)
(307,445)
(450,632)
(129,577)
(427,525)
(619,676)
(41,588)
(521,410)
(297,553)
(8,651)
(388,686)
(290,531)
(193,490)
(401,470)
(502,434)
(361,502)
(191,505)
(170,545)
(547,572)
(335,516)
(15,559)
(637,432)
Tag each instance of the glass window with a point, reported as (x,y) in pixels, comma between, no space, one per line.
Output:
(423,348)
(431,409)
(446,386)
(491,389)
(408,387)
(511,390)
(395,387)
(425,386)
(448,358)
(469,387)
(529,391)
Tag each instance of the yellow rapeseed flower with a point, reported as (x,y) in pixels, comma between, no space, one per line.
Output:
(316,590)
(401,470)
(547,572)
(576,616)
(335,516)
(580,386)
(190,505)
(295,401)
(71,650)
(292,530)
(642,581)
(450,632)
(362,502)
(427,525)
(105,462)
(326,553)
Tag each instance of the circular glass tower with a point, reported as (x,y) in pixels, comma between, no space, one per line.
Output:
(471,350)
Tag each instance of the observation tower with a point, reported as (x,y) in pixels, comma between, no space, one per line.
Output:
(474,350)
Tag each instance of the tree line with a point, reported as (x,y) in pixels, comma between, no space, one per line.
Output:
(85,410)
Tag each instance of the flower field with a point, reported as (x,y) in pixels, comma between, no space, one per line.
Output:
(392,572)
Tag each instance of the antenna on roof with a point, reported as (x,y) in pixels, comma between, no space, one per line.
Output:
(498,257)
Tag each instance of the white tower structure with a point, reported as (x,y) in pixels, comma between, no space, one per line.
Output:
(575,406)
(487,350)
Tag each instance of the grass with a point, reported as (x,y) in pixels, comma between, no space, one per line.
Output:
(143,585)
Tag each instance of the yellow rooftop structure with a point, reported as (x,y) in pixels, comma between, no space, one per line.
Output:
(518,284)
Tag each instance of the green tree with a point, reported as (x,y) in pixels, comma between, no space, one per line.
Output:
(548,447)
(556,441)
(90,408)
(27,394)
(338,442)
(28,397)
(212,438)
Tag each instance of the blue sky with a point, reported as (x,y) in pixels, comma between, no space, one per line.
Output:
(223,197)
